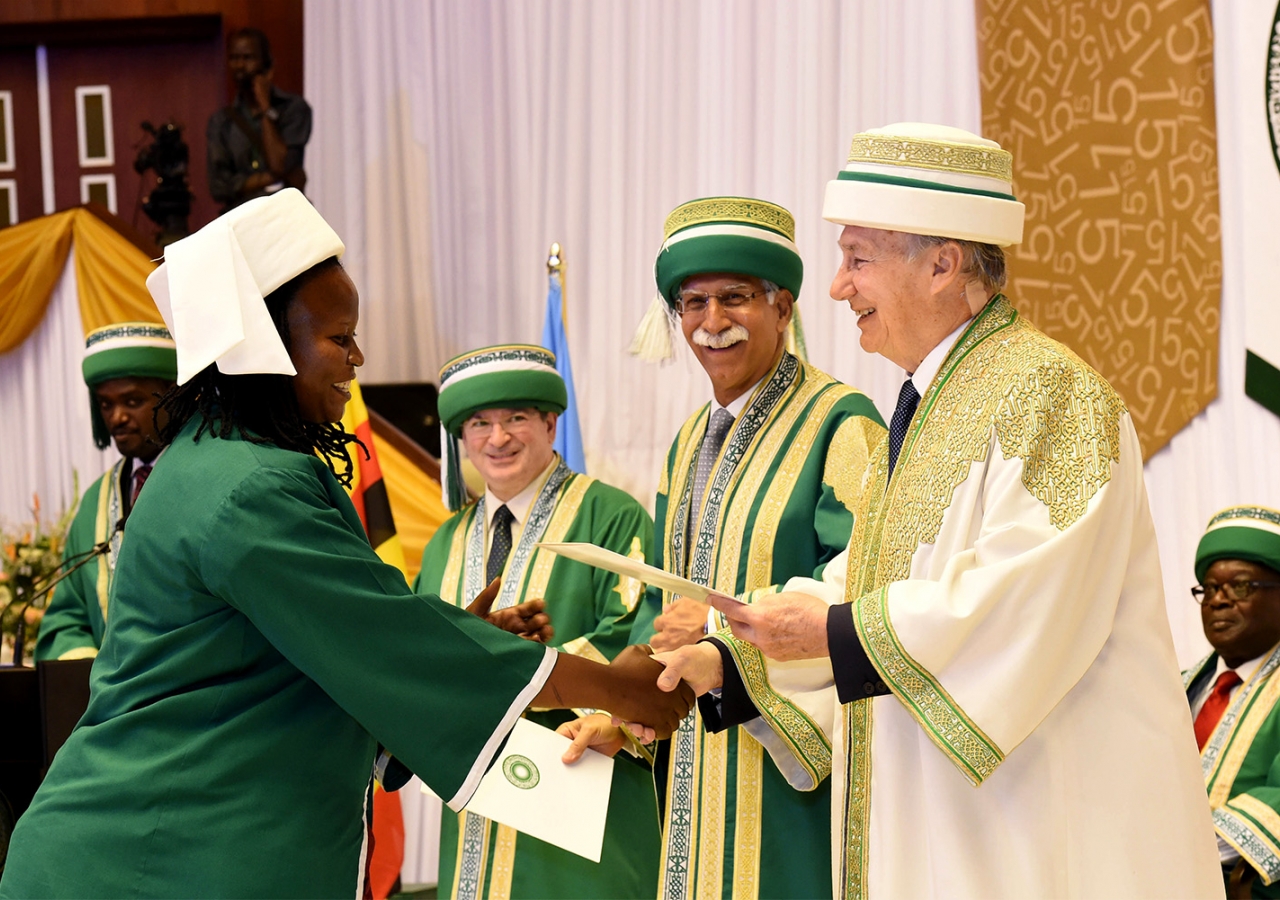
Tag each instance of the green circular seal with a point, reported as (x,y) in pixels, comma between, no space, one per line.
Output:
(521,771)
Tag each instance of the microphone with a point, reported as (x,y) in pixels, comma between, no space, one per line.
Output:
(79,560)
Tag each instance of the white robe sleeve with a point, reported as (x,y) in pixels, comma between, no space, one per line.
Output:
(797,700)
(982,649)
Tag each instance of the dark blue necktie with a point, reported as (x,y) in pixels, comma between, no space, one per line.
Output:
(499,543)
(908,399)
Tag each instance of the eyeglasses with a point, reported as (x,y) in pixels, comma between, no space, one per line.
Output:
(695,304)
(515,423)
(1234,591)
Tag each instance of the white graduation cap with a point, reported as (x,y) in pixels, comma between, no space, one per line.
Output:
(211,285)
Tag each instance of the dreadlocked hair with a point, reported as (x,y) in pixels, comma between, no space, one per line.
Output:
(260,408)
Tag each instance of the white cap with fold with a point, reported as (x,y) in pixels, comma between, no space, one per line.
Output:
(211,285)
(928,179)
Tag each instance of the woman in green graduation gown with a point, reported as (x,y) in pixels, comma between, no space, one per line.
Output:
(257,649)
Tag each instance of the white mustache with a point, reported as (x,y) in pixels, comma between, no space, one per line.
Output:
(734,334)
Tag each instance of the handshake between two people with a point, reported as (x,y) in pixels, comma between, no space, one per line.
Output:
(627,687)
(650,693)
(784,626)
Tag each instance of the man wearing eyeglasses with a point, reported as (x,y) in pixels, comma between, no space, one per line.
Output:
(757,487)
(1233,693)
(502,402)
(993,664)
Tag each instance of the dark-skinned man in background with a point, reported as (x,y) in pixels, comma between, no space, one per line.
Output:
(1233,693)
(127,367)
(256,145)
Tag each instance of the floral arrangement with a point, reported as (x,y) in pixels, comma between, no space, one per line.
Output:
(29,557)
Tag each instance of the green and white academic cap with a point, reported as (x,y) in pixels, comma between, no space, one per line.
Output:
(125,350)
(1250,533)
(735,235)
(930,180)
(505,376)
(211,286)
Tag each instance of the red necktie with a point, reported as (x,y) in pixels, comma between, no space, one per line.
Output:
(139,479)
(1214,706)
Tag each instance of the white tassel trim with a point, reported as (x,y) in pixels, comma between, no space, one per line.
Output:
(653,337)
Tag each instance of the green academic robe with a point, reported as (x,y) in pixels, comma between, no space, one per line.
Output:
(1241,765)
(76,617)
(778,505)
(592,611)
(257,652)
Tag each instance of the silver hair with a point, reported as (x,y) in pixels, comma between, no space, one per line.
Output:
(770,291)
(986,262)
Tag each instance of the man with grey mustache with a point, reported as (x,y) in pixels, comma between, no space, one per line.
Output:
(757,488)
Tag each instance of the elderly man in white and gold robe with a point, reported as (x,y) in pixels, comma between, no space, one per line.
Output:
(988,674)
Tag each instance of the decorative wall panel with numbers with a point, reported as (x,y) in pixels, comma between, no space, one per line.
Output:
(1108,108)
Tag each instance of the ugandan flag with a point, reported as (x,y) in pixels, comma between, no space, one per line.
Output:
(368,491)
(369,496)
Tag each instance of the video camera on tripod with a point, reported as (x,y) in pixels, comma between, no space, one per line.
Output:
(169,203)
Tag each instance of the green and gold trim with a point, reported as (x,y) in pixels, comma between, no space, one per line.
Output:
(746,832)
(942,156)
(1004,379)
(802,736)
(500,353)
(958,736)
(856,802)
(1251,827)
(110,511)
(822,396)
(899,181)
(1228,746)
(723,210)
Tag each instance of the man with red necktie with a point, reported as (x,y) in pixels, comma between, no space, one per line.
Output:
(1233,693)
(127,366)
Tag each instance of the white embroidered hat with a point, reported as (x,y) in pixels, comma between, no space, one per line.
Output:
(928,179)
(211,286)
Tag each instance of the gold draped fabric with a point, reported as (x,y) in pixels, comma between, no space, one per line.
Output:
(1108,108)
(415,502)
(110,274)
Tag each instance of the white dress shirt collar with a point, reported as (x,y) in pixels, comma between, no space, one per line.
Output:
(922,377)
(736,406)
(520,504)
(1245,670)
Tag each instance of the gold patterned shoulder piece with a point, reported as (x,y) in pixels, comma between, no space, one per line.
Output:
(720,210)
(1062,419)
(1045,406)
(845,469)
(943,156)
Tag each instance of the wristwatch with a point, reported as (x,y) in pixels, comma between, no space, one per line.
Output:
(272,113)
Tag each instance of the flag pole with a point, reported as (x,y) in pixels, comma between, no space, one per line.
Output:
(555,266)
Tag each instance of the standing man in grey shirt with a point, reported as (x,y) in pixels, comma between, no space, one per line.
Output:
(255,145)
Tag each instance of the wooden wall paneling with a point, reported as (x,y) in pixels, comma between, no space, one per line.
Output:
(55,21)
(18,76)
(149,82)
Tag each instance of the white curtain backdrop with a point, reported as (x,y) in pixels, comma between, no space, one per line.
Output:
(45,407)
(454,141)
(474,134)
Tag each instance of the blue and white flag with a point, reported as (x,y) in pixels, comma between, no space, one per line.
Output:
(568,433)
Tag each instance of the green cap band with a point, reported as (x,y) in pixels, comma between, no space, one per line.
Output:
(733,235)
(125,350)
(508,376)
(1251,533)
